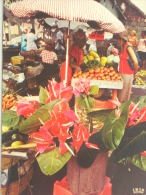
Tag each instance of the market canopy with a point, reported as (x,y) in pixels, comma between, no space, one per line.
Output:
(71,10)
(64,23)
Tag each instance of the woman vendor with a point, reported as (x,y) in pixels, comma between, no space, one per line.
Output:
(125,71)
(75,56)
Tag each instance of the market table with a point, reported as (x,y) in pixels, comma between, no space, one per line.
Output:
(102,84)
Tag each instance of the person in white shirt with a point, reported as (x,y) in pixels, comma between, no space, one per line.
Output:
(31,38)
(60,41)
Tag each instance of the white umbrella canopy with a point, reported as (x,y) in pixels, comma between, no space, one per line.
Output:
(71,10)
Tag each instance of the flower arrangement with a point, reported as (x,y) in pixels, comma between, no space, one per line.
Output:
(59,132)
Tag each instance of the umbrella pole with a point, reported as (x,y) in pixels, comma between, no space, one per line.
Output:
(67,47)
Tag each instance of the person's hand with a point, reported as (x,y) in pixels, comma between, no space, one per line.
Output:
(78,69)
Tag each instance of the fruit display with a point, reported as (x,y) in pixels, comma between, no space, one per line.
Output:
(102,73)
(12,137)
(8,101)
(91,56)
(141,73)
(139,81)
(140,78)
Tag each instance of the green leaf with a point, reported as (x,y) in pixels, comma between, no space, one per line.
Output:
(139,161)
(22,119)
(86,156)
(91,101)
(100,115)
(43,97)
(80,100)
(10,118)
(114,128)
(94,90)
(133,142)
(142,100)
(50,162)
(33,123)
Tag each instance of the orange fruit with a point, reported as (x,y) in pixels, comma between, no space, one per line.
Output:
(79,72)
(94,78)
(91,75)
(91,70)
(97,70)
(111,68)
(101,74)
(75,75)
(96,74)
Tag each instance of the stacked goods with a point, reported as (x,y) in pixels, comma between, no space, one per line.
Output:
(8,101)
(140,78)
(141,73)
(91,56)
(100,73)
(139,81)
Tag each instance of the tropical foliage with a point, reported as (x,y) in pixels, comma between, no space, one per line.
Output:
(59,131)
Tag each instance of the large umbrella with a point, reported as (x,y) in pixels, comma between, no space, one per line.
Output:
(71,10)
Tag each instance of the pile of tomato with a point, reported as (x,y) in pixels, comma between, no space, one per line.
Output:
(102,73)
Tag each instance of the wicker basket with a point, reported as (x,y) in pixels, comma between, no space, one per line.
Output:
(82,113)
(17,187)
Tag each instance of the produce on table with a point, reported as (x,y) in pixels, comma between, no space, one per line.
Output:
(12,136)
(102,73)
(16,143)
(5,129)
(103,61)
(91,56)
(141,73)
(139,81)
(8,101)
(94,54)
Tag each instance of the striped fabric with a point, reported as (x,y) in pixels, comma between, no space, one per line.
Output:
(73,10)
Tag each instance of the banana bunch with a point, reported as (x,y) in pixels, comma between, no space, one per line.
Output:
(142,73)
(139,81)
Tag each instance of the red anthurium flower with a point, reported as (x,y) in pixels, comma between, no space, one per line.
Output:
(45,146)
(80,134)
(26,108)
(44,139)
(83,85)
(117,113)
(70,114)
(62,147)
(42,135)
(142,114)
(62,143)
(133,114)
(58,91)
(143,153)
(66,93)
(91,146)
